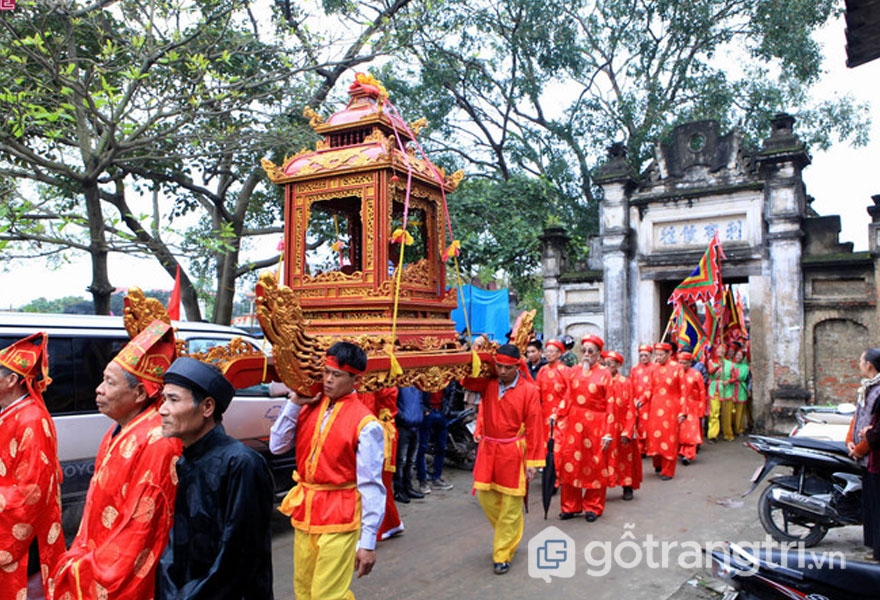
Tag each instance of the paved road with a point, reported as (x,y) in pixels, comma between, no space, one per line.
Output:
(445,551)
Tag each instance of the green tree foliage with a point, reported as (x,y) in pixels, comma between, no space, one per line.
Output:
(539,88)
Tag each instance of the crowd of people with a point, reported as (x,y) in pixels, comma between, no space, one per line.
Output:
(175,508)
(178,509)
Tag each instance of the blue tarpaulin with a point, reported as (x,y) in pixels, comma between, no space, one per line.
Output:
(488,312)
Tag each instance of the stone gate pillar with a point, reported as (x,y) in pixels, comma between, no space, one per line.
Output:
(553,259)
(616,182)
(781,375)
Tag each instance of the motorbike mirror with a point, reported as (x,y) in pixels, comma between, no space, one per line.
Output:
(847,408)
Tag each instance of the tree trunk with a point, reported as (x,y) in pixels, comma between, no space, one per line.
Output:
(225,298)
(189,298)
(100,287)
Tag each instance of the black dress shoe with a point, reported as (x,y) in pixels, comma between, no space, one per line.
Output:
(414,493)
(501,568)
(658,469)
(685,461)
(665,477)
(401,497)
(627,493)
(564,516)
(591,516)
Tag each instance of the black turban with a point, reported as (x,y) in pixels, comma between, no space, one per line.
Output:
(203,378)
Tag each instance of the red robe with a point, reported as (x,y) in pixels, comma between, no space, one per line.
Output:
(127,515)
(586,416)
(383,404)
(640,379)
(510,435)
(629,460)
(30,492)
(667,403)
(691,431)
(552,383)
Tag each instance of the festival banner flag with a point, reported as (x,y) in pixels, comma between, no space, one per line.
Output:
(704,284)
(733,327)
(690,331)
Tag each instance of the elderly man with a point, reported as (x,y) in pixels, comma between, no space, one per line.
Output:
(586,420)
(667,411)
(30,476)
(130,501)
(511,448)
(338,503)
(552,383)
(691,433)
(219,546)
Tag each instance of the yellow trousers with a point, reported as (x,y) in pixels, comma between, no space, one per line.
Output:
(740,410)
(720,419)
(323,565)
(506,517)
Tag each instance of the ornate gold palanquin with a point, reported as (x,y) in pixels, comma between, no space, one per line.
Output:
(357,175)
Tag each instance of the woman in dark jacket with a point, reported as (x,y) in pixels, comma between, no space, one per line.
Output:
(869,365)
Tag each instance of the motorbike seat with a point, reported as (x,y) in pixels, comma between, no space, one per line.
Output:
(813,444)
(849,575)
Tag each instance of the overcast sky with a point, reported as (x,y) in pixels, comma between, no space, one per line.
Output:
(842,181)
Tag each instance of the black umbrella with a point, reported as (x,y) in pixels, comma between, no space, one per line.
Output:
(548,477)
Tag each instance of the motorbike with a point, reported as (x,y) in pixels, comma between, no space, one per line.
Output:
(822,490)
(461,449)
(776,574)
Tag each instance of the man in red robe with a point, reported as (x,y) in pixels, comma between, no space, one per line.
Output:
(624,448)
(383,404)
(30,476)
(586,428)
(552,383)
(666,411)
(640,378)
(511,448)
(130,502)
(691,433)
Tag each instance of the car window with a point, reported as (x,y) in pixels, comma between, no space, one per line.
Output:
(203,344)
(76,366)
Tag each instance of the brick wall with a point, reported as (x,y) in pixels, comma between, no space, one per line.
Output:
(838,344)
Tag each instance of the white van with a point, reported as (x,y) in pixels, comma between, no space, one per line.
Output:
(80,346)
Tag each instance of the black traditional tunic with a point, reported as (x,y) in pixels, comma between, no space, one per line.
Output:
(220,543)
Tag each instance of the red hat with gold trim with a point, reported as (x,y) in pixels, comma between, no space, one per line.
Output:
(557,344)
(663,346)
(29,357)
(148,355)
(613,356)
(646,348)
(593,339)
